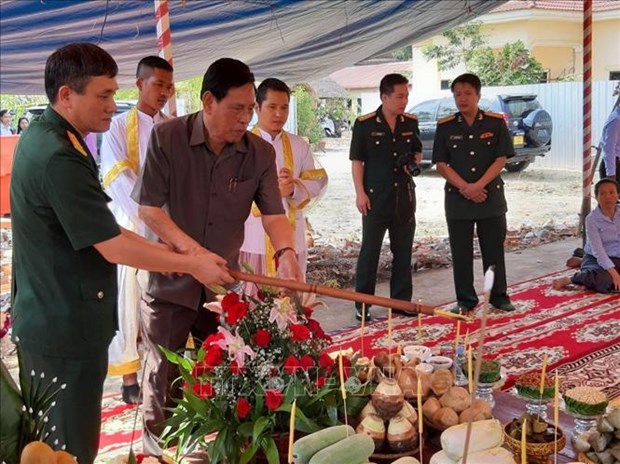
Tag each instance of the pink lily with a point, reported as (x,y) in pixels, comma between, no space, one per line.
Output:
(282,312)
(215,306)
(235,346)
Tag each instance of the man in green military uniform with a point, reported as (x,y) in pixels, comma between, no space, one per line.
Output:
(470,150)
(66,245)
(385,148)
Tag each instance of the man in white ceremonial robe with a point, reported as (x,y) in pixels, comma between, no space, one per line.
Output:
(298,178)
(123,152)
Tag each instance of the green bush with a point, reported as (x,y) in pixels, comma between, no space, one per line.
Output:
(307,121)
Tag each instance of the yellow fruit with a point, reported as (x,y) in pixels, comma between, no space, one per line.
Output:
(37,452)
(62,457)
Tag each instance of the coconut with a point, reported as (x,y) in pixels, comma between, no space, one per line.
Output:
(401,435)
(408,382)
(368,409)
(388,399)
(373,426)
(37,452)
(409,413)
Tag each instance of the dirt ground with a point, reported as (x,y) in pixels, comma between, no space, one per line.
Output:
(543,207)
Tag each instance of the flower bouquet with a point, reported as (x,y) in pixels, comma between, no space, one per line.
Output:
(267,353)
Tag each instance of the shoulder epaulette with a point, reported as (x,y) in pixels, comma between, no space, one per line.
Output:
(493,115)
(410,116)
(446,119)
(365,117)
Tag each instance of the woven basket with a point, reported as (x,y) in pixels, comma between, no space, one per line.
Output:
(536,452)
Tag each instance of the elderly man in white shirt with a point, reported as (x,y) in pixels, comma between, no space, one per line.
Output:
(123,152)
(299,180)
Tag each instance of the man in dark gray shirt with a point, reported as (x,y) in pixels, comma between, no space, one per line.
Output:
(201,175)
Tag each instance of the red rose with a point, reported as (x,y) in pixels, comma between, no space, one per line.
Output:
(346,366)
(200,369)
(204,390)
(234,368)
(139,458)
(243,408)
(211,339)
(307,311)
(236,312)
(315,328)
(273,399)
(262,338)
(214,357)
(306,362)
(299,332)
(325,361)
(291,364)
(320,382)
(229,300)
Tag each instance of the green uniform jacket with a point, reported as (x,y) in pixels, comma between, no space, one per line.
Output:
(64,292)
(390,189)
(470,151)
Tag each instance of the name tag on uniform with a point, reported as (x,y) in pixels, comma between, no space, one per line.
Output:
(377,134)
(456,137)
(486,135)
(405,134)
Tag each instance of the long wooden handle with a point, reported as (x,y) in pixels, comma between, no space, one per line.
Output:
(406,306)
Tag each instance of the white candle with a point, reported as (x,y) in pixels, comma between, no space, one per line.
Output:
(291,432)
(470,375)
(420,421)
(343,390)
(524,442)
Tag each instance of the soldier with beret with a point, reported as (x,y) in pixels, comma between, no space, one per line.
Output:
(470,150)
(385,149)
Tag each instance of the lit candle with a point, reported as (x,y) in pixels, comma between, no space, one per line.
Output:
(542,375)
(343,390)
(470,375)
(420,421)
(420,326)
(291,432)
(524,442)
(458,335)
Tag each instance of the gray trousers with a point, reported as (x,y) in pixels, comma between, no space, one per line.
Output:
(593,276)
(168,325)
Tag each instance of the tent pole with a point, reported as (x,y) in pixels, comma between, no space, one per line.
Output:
(588,169)
(164,43)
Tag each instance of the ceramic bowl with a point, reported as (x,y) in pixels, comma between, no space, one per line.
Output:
(424,368)
(440,362)
(417,351)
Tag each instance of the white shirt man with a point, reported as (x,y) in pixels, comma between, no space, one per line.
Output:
(299,180)
(123,152)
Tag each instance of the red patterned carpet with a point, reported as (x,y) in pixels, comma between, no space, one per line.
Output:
(579,331)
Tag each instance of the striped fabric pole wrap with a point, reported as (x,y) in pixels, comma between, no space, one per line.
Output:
(164,43)
(588,171)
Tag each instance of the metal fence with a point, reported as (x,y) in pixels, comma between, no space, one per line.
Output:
(564,102)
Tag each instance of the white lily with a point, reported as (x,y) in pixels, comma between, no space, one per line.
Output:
(282,312)
(215,306)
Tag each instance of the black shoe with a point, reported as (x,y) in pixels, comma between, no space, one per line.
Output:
(131,394)
(358,314)
(402,312)
(508,306)
(460,309)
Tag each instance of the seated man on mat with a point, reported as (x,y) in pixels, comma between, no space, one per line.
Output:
(601,263)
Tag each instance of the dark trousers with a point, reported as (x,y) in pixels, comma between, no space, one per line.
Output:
(491,234)
(168,325)
(603,172)
(77,413)
(593,276)
(401,242)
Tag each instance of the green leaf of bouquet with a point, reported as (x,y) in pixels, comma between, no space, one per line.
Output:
(271,450)
(171,356)
(248,454)
(259,426)
(305,424)
(196,404)
(245,429)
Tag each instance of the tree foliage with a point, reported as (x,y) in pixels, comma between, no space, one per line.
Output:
(307,111)
(511,65)
(403,53)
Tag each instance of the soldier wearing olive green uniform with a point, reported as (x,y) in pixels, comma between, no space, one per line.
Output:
(64,291)
(470,151)
(391,192)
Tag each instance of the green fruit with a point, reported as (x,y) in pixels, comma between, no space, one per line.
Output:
(308,446)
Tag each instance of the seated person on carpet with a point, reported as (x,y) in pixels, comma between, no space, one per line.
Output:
(601,262)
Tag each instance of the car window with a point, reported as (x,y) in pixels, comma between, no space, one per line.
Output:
(446,108)
(486,104)
(425,111)
(520,107)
